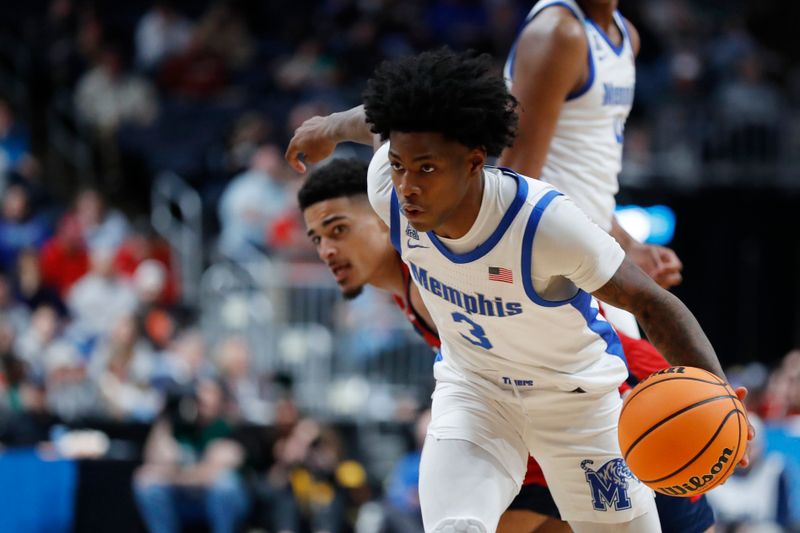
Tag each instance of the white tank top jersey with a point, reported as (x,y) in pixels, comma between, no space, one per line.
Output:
(487,301)
(585,153)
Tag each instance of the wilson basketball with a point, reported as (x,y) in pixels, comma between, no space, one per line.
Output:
(682,431)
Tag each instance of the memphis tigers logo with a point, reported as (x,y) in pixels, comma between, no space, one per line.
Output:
(609,484)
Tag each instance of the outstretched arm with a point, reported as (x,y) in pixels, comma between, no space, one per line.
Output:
(668,323)
(317,137)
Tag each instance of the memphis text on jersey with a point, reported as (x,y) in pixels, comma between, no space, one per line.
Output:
(475,303)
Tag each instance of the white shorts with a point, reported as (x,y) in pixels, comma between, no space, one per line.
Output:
(573,436)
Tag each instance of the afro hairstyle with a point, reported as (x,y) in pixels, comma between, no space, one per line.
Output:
(459,95)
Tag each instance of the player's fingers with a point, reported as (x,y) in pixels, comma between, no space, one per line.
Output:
(292,156)
(667,279)
(670,259)
(741,393)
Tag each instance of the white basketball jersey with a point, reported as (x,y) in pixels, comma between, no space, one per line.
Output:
(489,316)
(585,154)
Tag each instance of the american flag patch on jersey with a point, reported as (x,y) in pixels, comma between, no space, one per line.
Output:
(500,274)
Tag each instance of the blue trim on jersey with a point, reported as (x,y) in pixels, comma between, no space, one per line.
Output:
(527,252)
(583,303)
(590,80)
(614,48)
(512,55)
(438,357)
(505,222)
(394,223)
(623,24)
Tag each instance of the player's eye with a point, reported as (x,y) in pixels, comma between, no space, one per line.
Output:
(397,167)
(316,240)
(427,169)
(338,230)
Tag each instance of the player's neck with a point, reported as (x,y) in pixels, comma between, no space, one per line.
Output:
(601,13)
(389,274)
(462,219)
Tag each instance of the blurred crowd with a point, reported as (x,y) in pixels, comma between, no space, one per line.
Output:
(93,326)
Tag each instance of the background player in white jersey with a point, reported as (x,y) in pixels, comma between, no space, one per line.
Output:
(572,71)
(505,265)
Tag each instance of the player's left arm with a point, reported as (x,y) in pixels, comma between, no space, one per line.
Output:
(668,323)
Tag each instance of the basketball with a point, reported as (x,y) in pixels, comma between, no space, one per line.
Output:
(682,431)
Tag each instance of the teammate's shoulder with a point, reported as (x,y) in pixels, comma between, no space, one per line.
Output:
(557,24)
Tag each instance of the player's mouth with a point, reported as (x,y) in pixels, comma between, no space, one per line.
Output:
(412,212)
(340,271)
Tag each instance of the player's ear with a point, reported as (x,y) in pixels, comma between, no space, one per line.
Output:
(477,159)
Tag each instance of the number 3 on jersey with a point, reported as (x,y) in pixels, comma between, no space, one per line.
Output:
(478,335)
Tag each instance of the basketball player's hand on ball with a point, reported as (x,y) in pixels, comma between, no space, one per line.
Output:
(313,140)
(741,392)
(658,262)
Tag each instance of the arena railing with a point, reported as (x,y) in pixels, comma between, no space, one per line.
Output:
(177,215)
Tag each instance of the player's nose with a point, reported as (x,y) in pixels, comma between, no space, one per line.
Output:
(326,249)
(406,186)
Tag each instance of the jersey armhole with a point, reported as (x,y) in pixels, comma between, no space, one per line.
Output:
(527,252)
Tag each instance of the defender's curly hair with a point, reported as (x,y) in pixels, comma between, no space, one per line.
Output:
(457,95)
(337,179)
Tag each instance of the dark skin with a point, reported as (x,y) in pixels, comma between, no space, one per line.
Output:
(441,180)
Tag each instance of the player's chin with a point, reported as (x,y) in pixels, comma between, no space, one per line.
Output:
(421,224)
(352,292)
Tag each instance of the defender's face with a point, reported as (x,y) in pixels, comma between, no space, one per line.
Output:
(432,176)
(349,238)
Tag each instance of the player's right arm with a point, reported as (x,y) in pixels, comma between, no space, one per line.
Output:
(550,63)
(317,137)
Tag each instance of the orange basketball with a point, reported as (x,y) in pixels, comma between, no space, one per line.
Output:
(682,431)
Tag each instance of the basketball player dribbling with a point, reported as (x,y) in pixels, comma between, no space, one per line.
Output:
(572,70)
(353,242)
(506,266)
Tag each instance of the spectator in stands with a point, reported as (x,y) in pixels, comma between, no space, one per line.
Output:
(311,486)
(197,72)
(30,289)
(64,258)
(223,29)
(123,366)
(34,344)
(161,32)
(108,95)
(190,470)
(781,398)
(100,298)
(71,394)
(12,313)
(402,511)
(184,359)
(251,130)
(252,201)
(103,227)
(142,246)
(755,498)
(19,228)
(233,360)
